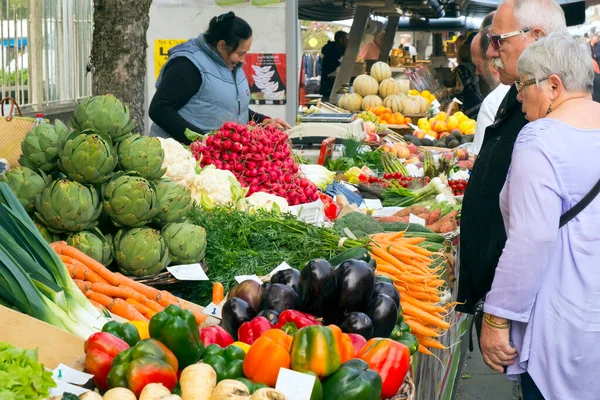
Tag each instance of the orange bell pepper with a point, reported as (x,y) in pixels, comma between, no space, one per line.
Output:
(344,342)
(267,355)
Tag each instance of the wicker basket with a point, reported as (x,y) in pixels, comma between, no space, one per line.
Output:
(407,390)
(165,280)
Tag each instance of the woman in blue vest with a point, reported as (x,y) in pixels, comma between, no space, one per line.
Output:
(202,85)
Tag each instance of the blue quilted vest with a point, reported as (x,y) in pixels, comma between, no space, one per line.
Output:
(224,95)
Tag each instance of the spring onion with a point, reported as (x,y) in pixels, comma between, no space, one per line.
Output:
(33,279)
(398,196)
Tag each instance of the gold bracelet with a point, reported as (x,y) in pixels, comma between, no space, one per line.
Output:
(488,320)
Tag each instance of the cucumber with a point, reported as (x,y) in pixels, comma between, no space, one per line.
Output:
(430,237)
(403,226)
(359,253)
(432,246)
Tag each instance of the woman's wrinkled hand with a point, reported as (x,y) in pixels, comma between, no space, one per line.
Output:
(495,347)
(277,123)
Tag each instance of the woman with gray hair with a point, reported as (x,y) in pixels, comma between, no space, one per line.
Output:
(542,315)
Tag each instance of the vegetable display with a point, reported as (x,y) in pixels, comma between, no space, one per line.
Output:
(227,362)
(21,376)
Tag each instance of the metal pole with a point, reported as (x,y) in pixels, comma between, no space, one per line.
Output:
(356,34)
(292,60)
(36,69)
(388,39)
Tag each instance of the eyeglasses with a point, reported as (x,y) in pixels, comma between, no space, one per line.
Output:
(496,40)
(521,84)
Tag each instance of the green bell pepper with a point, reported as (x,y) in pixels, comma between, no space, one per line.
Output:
(123,331)
(353,381)
(178,330)
(401,335)
(252,386)
(227,363)
(317,392)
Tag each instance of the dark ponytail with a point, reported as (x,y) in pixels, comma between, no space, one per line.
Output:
(229,28)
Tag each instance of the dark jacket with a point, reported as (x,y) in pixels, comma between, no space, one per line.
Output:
(482,234)
(332,53)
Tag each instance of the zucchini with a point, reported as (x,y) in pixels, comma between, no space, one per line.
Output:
(359,253)
(432,246)
(430,237)
(403,226)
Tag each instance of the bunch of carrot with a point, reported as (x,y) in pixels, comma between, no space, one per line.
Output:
(119,294)
(409,267)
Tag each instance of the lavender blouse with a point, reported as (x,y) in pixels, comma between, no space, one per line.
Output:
(548,279)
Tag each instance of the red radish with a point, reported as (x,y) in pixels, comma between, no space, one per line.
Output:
(237,147)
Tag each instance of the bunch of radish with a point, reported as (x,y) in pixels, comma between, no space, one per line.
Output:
(259,157)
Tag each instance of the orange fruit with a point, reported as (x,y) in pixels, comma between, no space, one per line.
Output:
(407,120)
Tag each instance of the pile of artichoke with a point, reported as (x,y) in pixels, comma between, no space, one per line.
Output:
(102,189)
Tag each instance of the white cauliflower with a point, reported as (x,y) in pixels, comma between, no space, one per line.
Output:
(317,174)
(179,162)
(213,187)
(267,201)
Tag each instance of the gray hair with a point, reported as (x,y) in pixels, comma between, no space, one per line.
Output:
(545,14)
(562,55)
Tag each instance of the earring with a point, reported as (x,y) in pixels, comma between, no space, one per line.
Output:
(549,109)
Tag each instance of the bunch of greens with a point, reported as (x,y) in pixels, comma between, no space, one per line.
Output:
(242,243)
(21,376)
(354,156)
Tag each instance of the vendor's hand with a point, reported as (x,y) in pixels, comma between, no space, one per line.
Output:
(277,123)
(495,347)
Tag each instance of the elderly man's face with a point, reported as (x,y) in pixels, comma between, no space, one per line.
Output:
(505,59)
(478,61)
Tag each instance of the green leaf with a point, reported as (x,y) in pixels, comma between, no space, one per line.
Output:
(191,135)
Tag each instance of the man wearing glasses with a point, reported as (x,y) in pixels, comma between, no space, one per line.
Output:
(516,24)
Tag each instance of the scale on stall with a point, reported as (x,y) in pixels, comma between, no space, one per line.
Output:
(314,128)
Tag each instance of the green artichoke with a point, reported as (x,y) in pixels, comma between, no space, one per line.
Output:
(174,201)
(186,242)
(68,206)
(62,131)
(25,184)
(129,200)
(140,251)
(142,154)
(105,115)
(87,158)
(46,234)
(40,148)
(94,244)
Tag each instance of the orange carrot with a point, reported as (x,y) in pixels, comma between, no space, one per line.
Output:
(422,305)
(92,264)
(99,298)
(150,292)
(420,329)
(123,292)
(218,293)
(430,342)
(82,285)
(58,246)
(79,271)
(200,316)
(388,270)
(424,350)
(146,312)
(424,316)
(96,304)
(154,306)
(124,310)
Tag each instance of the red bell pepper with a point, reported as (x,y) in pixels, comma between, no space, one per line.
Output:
(100,350)
(251,330)
(291,320)
(390,359)
(358,341)
(214,334)
(331,211)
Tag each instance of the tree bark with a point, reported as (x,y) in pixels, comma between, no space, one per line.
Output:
(118,58)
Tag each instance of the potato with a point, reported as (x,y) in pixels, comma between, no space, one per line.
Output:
(119,394)
(154,391)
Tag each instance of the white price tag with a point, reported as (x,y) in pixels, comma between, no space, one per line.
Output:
(413,219)
(242,278)
(386,211)
(295,385)
(373,204)
(435,103)
(429,137)
(188,272)
(281,267)
(213,310)
(70,375)
(64,387)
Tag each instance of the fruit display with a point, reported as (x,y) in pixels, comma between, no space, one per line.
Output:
(259,158)
(351,102)
(458,186)
(443,131)
(383,116)
(380,71)
(100,181)
(425,94)
(365,85)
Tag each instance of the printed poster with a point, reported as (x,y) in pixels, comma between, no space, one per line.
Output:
(266,74)
(161,52)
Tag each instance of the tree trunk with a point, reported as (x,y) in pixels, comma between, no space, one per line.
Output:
(119,52)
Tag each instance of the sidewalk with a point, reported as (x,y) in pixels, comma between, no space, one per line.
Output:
(479,382)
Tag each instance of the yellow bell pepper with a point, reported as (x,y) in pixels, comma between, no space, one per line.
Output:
(242,346)
(142,328)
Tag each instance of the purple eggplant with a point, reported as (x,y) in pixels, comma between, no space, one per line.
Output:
(318,288)
(357,322)
(279,297)
(289,277)
(355,281)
